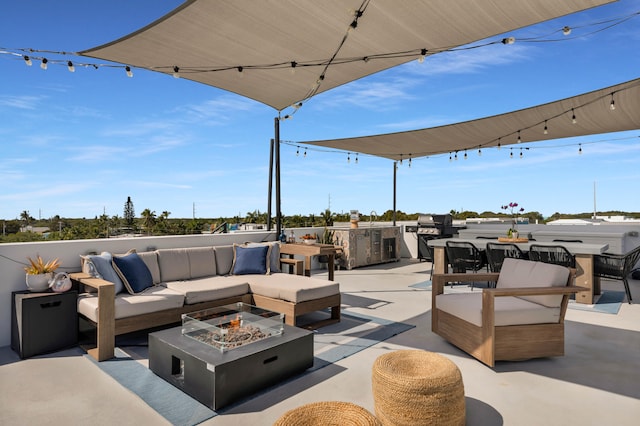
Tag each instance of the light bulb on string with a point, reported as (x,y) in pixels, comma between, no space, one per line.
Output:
(511,153)
(294,64)
(348,158)
(43,64)
(70,67)
(566,30)
(423,54)
(519,138)
(356,161)
(612,105)
(520,152)
(580,149)
(128,70)
(479,152)
(297,151)
(305,154)
(573,116)
(546,130)
(508,40)
(240,73)
(456,156)
(450,159)
(465,154)
(499,144)
(176,72)
(27,61)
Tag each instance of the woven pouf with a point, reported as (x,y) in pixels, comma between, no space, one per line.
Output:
(330,413)
(414,387)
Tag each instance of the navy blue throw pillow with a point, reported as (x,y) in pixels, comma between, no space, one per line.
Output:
(133,271)
(250,260)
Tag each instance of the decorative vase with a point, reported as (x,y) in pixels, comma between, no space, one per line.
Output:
(38,282)
(515,235)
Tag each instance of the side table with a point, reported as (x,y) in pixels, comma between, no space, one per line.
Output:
(43,322)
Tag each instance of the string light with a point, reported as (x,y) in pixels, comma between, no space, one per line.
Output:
(566,30)
(450,159)
(456,156)
(546,129)
(176,72)
(423,54)
(580,149)
(43,64)
(240,69)
(348,157)
(519,138)
(465,154)
(305,155)
(27,61)
(356,158)
(499,144)
(573,116)
(294,64)
(70,67)
(511,153)
(409,160)
(508,40)
(297,151)
(128,70)
(520,152)
(479,151)
(612,105)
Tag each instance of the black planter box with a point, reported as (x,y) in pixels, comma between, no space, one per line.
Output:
(43,322)
(217,379)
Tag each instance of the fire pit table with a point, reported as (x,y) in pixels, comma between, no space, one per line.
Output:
(223,354)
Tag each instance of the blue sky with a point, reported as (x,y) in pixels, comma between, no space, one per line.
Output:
(78,144)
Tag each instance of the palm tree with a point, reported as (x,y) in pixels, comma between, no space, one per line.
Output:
(148,220)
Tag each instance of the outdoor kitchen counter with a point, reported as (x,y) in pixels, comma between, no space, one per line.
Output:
(583,253)
(367,245)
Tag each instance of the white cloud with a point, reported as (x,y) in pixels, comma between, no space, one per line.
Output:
(22,102)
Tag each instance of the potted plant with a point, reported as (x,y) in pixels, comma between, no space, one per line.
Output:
(40,273)
(328,237)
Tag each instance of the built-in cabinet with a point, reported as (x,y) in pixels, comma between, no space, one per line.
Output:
(367,246)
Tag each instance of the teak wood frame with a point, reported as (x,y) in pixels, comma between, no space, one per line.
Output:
(107,327)
(490,343)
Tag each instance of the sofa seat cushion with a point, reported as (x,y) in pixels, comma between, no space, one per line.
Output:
(292,288)
(152,299)
(508,310)
(209,288)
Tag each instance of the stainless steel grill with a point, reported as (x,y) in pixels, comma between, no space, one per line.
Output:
(430,227)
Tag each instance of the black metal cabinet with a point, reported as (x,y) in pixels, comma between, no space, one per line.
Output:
(43,322)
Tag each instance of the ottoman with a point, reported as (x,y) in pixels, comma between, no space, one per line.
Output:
(331,413)
(414,387)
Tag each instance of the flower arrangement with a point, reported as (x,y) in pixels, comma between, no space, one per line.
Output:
(39,266)
(513,209)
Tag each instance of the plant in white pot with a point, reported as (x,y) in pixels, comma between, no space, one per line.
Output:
(40,273)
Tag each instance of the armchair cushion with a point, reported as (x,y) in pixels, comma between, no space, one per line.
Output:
(519,273)
(508,310)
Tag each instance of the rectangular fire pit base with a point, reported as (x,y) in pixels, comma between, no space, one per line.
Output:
(217,379)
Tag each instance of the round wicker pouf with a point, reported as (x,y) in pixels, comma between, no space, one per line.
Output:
(330,413)
(414,387)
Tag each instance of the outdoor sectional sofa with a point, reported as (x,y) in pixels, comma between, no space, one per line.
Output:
(158,286)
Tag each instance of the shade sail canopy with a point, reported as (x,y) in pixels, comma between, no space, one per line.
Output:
(215,41)
(592,112)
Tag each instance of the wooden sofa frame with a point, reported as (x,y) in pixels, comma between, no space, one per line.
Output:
(490,343)
(107,327)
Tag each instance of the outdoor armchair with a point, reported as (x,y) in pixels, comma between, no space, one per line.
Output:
(522,318)
(616,266)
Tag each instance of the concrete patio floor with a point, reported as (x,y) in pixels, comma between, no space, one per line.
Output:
(597,381)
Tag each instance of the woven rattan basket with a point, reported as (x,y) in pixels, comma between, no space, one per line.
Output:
(329,413)
(414,387)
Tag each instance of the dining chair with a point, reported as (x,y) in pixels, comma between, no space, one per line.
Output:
(497,252)
(464,256)
(616,267)
(556,254)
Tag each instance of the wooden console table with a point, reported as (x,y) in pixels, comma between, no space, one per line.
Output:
(308,250)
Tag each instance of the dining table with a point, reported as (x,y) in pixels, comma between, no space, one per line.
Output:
(309,250)
(583,253)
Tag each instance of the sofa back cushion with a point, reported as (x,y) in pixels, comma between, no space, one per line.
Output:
(150,258)
(224,259)
(174,264)
(202,262)
(519,273)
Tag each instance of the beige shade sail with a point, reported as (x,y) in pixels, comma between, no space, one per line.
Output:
(249,47)
(592,111)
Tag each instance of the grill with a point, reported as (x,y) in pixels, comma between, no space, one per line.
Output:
(430,227)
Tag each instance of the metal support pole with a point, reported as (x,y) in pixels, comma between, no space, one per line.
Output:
(277,161)
(270,185)
(395,172)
